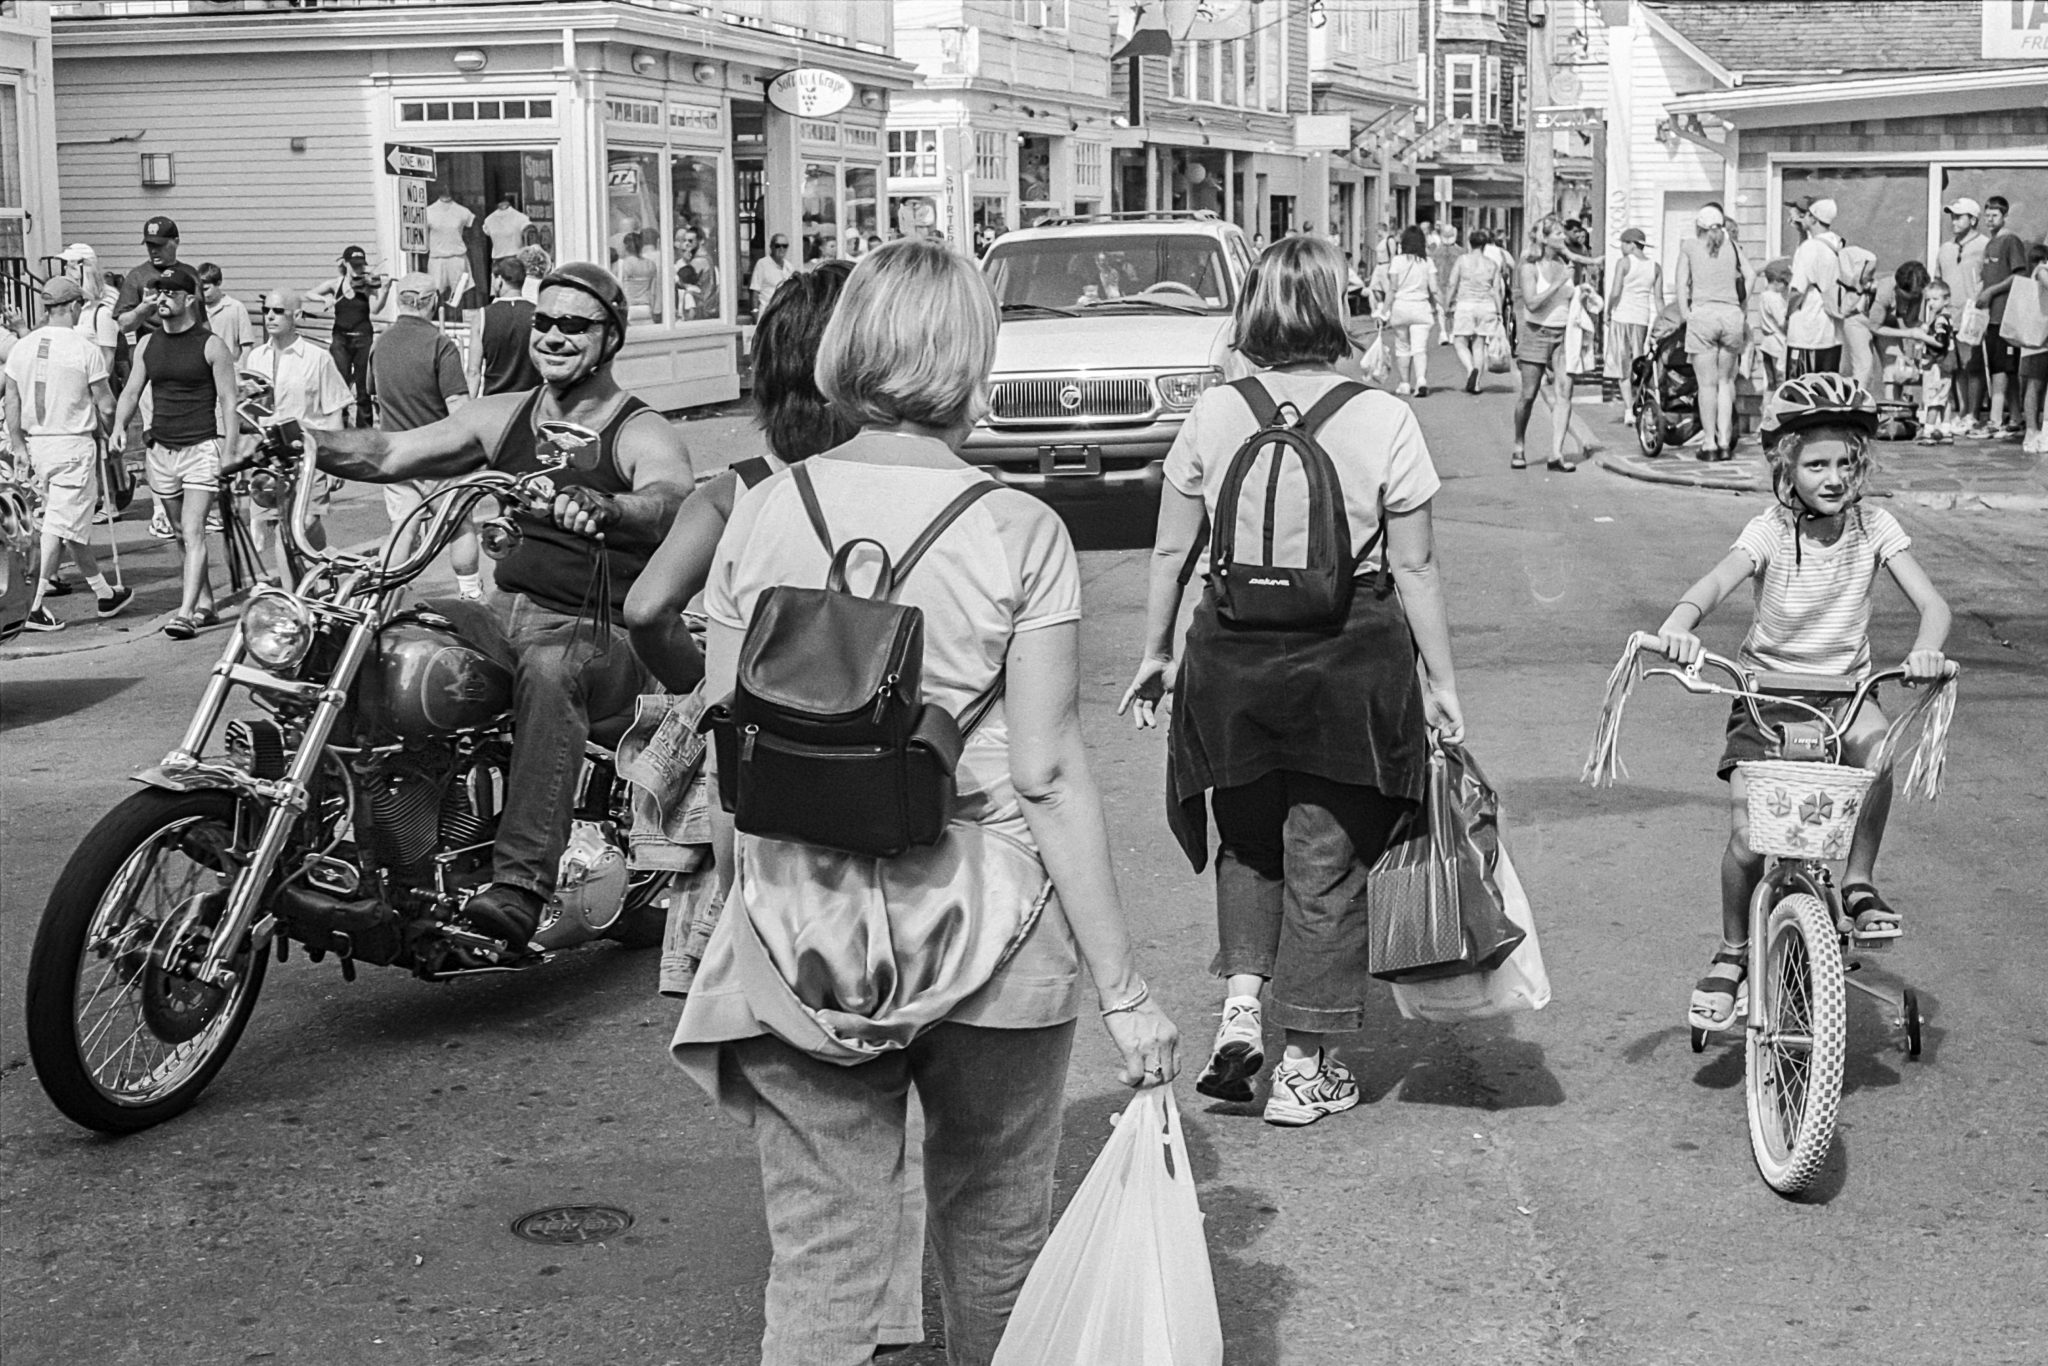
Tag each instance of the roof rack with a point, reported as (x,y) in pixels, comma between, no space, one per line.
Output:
(1134,216)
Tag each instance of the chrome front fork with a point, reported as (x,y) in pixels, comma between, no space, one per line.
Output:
(284,798)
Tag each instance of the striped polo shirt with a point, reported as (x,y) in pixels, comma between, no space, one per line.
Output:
(1813,606)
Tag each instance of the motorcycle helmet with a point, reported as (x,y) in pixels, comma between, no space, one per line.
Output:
(601,285)
(1818,401)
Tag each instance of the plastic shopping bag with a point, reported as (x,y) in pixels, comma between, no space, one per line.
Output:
(1975,323)
(1433,905)
(1518,984)
(1124,1280)
(1376,365)
(1499,356)
(2026,318)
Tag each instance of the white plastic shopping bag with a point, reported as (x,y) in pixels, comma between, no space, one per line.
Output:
(1520,983)
(1124,1279)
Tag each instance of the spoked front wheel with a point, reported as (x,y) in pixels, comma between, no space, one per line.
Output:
(123,1035)
(1794,1074)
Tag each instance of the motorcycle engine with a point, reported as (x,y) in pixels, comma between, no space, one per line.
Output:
(428,801)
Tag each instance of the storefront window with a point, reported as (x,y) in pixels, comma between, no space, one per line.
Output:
(913,215)
(2024,188)
(863,208)
(1034,179)
(633,232)
(991,220)
(12,214)
(480,181)
(693,188)
(821,211)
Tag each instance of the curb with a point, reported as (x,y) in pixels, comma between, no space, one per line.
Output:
(1677,477)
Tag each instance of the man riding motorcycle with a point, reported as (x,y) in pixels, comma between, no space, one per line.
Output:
(561,585)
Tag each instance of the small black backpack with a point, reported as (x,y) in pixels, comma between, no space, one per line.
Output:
(1260,595)
(826,739)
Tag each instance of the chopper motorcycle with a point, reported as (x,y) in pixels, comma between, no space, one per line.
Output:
(352,814)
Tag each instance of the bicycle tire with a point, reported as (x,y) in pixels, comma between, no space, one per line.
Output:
(1793,1072)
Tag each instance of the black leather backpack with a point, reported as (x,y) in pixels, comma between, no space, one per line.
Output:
(1258,594)
(826,739)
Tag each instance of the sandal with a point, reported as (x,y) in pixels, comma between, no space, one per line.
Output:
(1706,1011)
(1874,917)
(1561,466)
(1517,460)
(181,627)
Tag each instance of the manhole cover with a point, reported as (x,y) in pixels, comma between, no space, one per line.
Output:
(569,1225)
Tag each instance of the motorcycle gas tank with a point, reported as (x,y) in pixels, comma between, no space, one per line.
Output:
(423,679)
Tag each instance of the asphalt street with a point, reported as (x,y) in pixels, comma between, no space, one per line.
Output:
(1573,1186)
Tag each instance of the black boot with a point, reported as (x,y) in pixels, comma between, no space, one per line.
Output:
(510,913)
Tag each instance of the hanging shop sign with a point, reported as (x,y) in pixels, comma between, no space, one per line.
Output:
(809,92)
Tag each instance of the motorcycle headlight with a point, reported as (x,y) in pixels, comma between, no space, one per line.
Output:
(277,629)
(1181,391)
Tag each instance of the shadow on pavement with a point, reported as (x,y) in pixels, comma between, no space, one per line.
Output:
(1477,1066)
(32,703)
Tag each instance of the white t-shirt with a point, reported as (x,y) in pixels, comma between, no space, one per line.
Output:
(1007,566)
(1813,602)
(1374,441)
(1816,265)
(505,227)
(307,385)
(97,324)
(445,221)
(229,320)
(53,370)
(767,278)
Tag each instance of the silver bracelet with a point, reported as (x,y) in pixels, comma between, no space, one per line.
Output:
(1138,998)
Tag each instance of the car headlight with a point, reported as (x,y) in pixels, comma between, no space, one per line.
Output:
(1181,391)
(277,629)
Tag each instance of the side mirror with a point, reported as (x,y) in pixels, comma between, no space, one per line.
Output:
(568,445)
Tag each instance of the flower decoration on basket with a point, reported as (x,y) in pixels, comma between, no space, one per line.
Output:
(1781,803)
(1836,844)
(1816,809)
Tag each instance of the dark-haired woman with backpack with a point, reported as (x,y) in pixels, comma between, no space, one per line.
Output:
(1309,743)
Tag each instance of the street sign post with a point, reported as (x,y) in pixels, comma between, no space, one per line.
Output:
(1441,189)
(403,159)
(412,216)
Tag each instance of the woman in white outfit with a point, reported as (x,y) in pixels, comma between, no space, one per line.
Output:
(1475,307)
(1405,292)
(1632,302)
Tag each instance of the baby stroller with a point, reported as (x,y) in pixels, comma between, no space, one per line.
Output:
(1667,403)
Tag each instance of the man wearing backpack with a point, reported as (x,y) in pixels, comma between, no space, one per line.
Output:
(548,618)
(1814,332)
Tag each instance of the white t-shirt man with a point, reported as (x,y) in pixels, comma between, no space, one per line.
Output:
(505,226)
(1960,266)
(767,278)
(53,369)
(1815,266)
(96,323)
(446,220)
(228,320)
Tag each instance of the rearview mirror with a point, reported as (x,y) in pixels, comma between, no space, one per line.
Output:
(568,445)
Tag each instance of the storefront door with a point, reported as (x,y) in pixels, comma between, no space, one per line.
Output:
(749,179)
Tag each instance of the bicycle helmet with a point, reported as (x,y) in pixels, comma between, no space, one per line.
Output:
(1818,401)
(601,285)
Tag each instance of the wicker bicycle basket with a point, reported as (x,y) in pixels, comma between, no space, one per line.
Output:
(1803,810)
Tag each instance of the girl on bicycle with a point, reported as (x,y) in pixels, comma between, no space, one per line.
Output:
(1812,558)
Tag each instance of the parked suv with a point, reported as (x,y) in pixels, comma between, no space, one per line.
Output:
(1112,327)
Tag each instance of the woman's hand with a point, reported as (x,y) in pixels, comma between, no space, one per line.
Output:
(1925,666)
(1440,708)
(1149,687)
(1680,647)
(1149,1043)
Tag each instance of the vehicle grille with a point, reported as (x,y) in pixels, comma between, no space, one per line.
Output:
(1051,398)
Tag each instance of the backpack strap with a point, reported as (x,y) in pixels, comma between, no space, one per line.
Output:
(979,490)
(809,492)
(1259,399)
(753,470)
(1326,407)
(977,711)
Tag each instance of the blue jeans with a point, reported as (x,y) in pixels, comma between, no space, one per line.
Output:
(1293,851)
(564,673)
(833,1164)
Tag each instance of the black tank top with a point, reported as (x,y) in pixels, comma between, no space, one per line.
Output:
(184,409)
(553,566)
(351,312)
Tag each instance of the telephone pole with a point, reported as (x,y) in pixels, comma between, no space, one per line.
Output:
(1539,161)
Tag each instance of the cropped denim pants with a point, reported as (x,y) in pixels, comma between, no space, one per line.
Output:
(833,1141)
(1293,851)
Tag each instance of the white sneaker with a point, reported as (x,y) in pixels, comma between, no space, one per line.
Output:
(1238,1053)
(1305,1091)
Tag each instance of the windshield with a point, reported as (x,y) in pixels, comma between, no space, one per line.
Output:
(1176,272)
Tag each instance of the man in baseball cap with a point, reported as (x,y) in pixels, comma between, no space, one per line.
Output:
(1822,211)
(1634,236)
(133,310)
(1959,264)
(1813,332)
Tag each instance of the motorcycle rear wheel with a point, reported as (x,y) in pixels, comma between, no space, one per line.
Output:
(120,1042)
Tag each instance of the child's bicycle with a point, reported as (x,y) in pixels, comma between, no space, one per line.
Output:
(1793,1010)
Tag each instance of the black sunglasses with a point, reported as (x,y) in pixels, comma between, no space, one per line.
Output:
(268,309)
(570,326)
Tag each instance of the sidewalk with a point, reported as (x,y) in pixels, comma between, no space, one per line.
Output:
(1968,474)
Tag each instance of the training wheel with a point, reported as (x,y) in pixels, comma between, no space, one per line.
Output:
(1910,1008)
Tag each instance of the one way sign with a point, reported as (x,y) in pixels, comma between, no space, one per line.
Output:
(403,159)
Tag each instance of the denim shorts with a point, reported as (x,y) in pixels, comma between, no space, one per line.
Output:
(1746,742)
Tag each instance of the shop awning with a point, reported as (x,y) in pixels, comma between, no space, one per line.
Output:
(1943,92)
